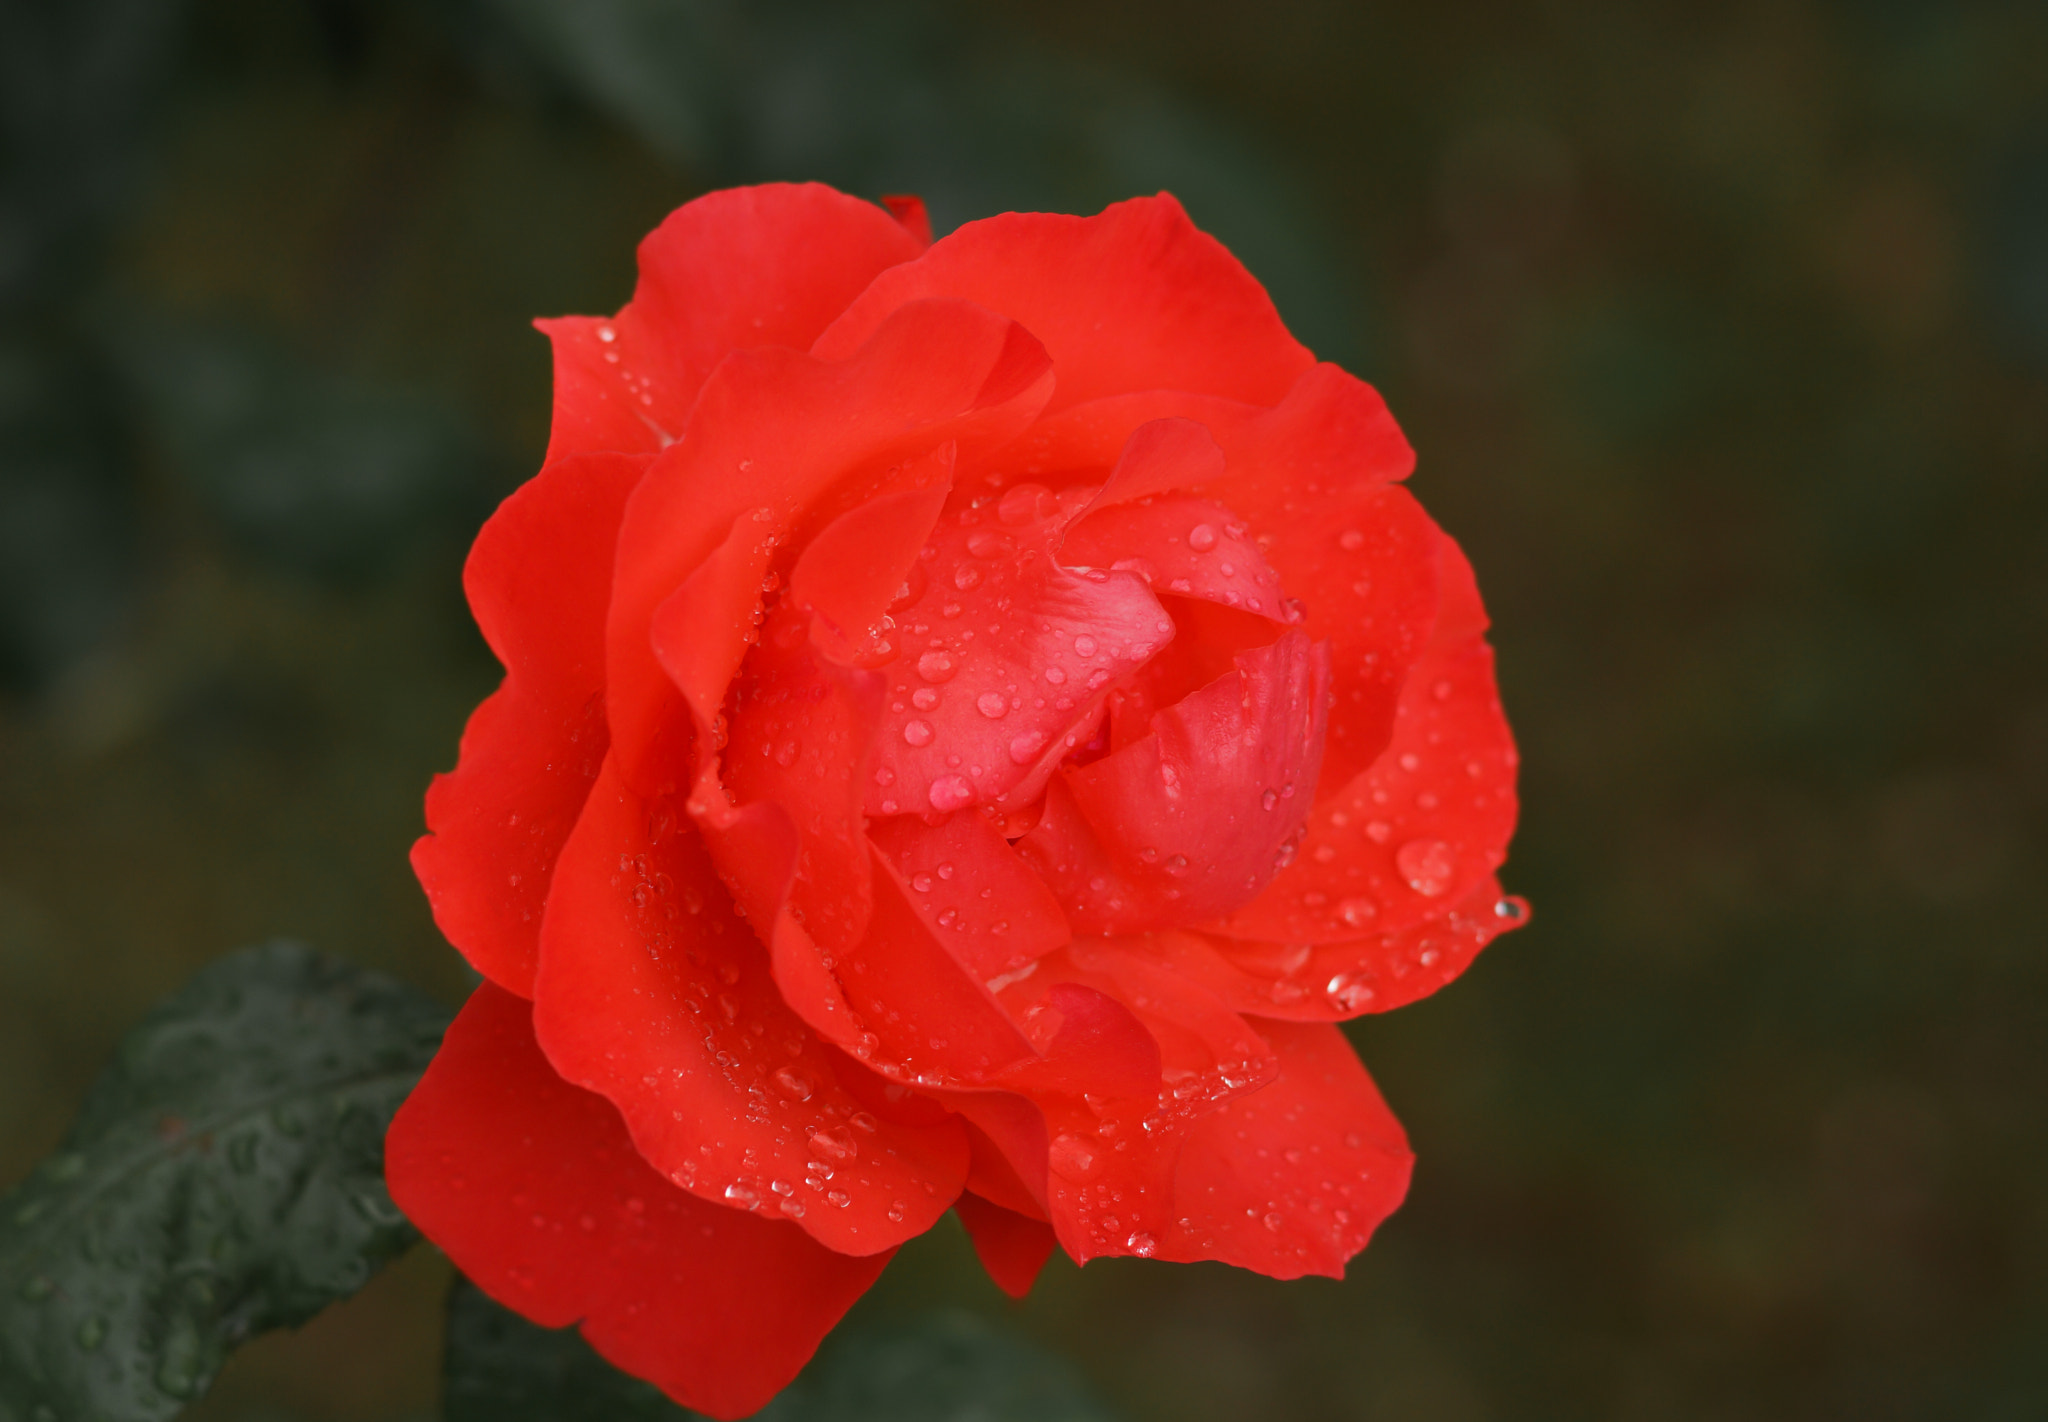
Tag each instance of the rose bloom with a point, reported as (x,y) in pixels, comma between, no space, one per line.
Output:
(977,715)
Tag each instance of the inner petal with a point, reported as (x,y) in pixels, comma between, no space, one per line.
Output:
(1005,658)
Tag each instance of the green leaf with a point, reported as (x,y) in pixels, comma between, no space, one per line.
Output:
(224,1177)
(948,1367)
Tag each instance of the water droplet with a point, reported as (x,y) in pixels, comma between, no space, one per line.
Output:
(1512,908)
(1141,1244)
(1056,675)
(1356,913)
(1411,762)
(1269,799)
(794,1083)
(1201,538)
(1177,864)
(1273,1221)
(936,666)
(1023,504)
(1025,748)
(1084,645)
(1072,1157)
(1351,540)
(917,733)
(992,705)
(884,775)
(921,882)
(966,576)
(786,753)
(1349,992)
(950,792)
(1427,864)
(924,698)
(782,1187)
(838,1199)
(987,543)
(742,1195)
(1379,831)
(834,1143)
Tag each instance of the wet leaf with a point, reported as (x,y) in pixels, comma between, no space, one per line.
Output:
(225,1177)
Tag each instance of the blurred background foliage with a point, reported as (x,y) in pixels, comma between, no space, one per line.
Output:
(1722,331)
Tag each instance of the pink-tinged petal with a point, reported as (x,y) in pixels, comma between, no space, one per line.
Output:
(780,445)
(1293,1178)
(1004,659)
(535,1191)
(1312,481)
(1185,547)
(1012,1247)
(654,993)
(988,907)
(1135,297)
(770,265)
(1333,982)
(538,578)
(1198,814)
(1430,820)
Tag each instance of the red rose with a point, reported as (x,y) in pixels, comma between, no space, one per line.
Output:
(976,715)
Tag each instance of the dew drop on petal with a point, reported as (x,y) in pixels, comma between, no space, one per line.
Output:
(1072,1157)
(992,705)
(1351,540)
(1084,645)
(1201,538)
(936,665)
(1427,864)
(917,733)
(1025,748)
(950,792)
(924,698)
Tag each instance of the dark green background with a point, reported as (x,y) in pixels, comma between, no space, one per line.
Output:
(1722,331)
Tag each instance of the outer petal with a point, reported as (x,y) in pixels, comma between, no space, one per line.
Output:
(771,265)
(1012,1247)
(1135,297)
(654,993)
(533,1189)
(780,445)
(1293,1178)
(538,579)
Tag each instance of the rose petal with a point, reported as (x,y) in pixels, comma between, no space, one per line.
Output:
(770,265)
(1012,1247)
(1197,814)
(1293,1178)
(781,445)
(988,907)
(1005,658)
(655,994)
(533,1188)
(1333,982)
(1134,297)
(1187,547)
(1428,822)
(538,579)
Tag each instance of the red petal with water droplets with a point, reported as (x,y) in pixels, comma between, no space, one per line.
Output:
(1012,1247)
(538,578)
(1194,816)
(976,896)
(533,1188)
(1135,297)
(654,993)
(771,265)
(1333,982)
(781,444)
(852,572)
(1005,659)
(1293,1178)
(1429,821)
(1183,546)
